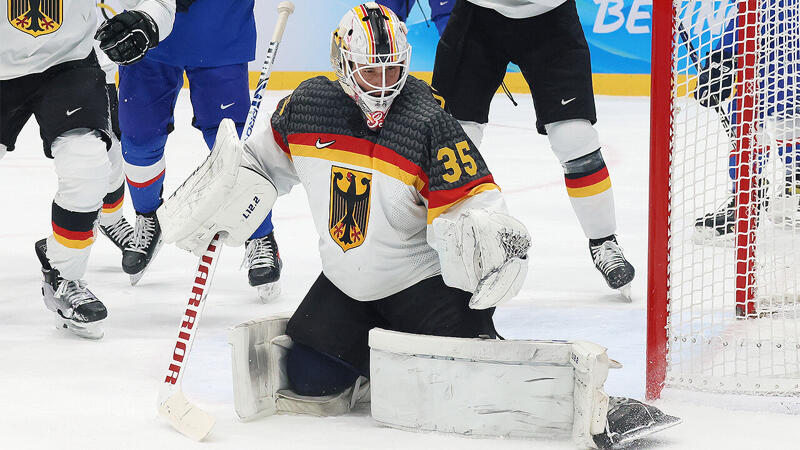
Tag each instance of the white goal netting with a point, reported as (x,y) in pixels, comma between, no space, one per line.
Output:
(734,241)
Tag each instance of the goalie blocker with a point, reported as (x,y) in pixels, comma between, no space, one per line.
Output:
(227,194)
(550,389)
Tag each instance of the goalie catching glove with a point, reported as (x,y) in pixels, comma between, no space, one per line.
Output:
(484,253)
(225,194)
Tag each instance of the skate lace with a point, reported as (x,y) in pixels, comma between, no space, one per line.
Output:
(608,256)
(145,230)
(74,292)
(120,231)
(259,253)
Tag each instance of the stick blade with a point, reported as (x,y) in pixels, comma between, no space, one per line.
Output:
(185,417)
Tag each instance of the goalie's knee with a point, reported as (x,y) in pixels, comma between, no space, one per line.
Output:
(312,373)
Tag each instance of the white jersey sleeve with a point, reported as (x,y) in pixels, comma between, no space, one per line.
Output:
(263,152)
(33,41)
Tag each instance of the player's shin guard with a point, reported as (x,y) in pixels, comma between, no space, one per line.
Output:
(576,145)
(260,381)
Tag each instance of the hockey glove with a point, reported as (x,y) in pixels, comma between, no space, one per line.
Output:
(715,82)
(484,253)
(128,36)
(182,6)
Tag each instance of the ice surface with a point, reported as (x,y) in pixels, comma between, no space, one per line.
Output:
(60,390)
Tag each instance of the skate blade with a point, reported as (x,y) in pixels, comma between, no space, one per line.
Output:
(138,276)
(92,330)
(269,292)
(625,292)
(664,422)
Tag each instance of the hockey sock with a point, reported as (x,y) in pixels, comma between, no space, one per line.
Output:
(589,189)
(68,247)
(112,206)
(265,228)
(315,374)
(145,184)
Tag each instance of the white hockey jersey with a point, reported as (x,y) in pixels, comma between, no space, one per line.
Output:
(38,34)
(519,9)
(373,195)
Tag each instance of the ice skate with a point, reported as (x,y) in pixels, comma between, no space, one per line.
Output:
(144,246)
(611,263)
(718,226)
(629,420)
(120,233)
(263,266)
(76,308)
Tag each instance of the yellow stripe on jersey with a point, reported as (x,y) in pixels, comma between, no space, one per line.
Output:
(363,161)
(436,212)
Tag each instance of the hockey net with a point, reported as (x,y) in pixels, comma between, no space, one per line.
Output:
(724,263)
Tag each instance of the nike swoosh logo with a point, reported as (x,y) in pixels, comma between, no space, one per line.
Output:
(69,113)
(319,144)
(221,106)
(443,3)
(564,102)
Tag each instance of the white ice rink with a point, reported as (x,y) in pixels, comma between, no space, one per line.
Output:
(61,391)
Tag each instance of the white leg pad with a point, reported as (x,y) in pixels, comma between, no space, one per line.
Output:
(258,364)
(513,388)
(260,382)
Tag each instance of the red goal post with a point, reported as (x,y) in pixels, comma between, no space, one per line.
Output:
(724,310)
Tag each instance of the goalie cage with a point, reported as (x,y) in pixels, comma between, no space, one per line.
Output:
(723,317)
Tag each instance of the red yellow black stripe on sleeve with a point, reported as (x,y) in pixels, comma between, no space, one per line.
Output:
(73,229)
(586,184)
(359,152)
(112,202)
(441,200)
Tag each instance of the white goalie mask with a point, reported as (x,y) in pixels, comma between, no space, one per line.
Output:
(369,49)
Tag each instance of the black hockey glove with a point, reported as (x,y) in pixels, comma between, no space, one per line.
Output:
(126,37)
(715,82)
(182,6)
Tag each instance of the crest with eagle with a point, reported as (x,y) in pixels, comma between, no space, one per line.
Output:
(36,17)
(349,206)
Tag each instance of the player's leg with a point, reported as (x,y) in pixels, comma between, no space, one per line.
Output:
(554,59)
(784,204)
(440,13)
(223,92)
(148,91)
(469,66)
(112,223)
(399,7)
(431,307)
(71,107)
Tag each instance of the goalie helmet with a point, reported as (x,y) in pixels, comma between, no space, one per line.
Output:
(370,37)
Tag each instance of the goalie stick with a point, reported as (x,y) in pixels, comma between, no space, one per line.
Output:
(173,405)
(723,116)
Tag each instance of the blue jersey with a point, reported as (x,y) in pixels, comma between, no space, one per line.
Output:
(212,33)
(778,50)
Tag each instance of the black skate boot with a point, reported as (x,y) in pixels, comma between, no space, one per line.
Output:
(263,266)
(76,308)
(120,233)
(609,260)
(143,247)
(629,420)
(717,225)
